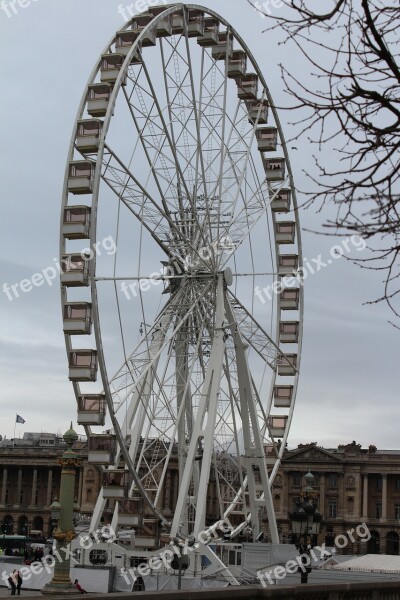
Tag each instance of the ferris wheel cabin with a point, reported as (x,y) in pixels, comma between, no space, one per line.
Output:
(289,332)
(277,425)
(125,41)
(224,47)
(88,135)
(75,270)
(285,232)
(287,366)
(139,24)
(102,449)
(258,112)
(288,264)
(275,169)
(237,64)
(282,200)
(164,25)
(98,97)
(80,179)
(91,409)
(83,365)
(248,87)
(76,222)
(290,299)
(77,318)
(210,33)
(283,395)
(128,513)
(110,67)
(115,484)
(267,138)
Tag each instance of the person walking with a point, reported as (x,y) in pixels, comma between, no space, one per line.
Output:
(79,587)
(19,583)
(15,581)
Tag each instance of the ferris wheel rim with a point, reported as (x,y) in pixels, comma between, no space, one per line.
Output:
(107,122)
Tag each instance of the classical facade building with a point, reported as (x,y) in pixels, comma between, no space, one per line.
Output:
(352,485)
(30,480)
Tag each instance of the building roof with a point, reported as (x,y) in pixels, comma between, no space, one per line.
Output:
(371,563)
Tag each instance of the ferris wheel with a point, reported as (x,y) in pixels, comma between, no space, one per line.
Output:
(181,297)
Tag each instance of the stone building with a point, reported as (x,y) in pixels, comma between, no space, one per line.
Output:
(30,480)
(352,485)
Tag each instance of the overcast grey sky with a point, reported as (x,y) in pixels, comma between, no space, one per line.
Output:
(349,386)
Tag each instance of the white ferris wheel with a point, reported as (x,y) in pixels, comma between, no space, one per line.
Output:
(186,301)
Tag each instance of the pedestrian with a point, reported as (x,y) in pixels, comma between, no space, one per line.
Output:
(19,583)
(15,581)
(79,587)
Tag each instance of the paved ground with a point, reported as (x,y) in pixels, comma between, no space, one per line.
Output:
(5,593)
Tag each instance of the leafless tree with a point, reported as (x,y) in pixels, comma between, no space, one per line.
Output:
(350,105)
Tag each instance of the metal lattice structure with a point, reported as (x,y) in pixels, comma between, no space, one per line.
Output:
(181,164)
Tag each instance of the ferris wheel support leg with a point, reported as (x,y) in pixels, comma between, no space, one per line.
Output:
(254,448)
(208,404)
(97,512)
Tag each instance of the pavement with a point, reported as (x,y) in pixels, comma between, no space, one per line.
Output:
(5,593)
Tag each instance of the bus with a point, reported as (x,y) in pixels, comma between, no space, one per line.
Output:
(12,545)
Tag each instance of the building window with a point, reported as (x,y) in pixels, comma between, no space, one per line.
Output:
(397,511)
(296,479)
(378,510)
(379,484)
(332,480)
(332,509)
(398,484)
(329,538)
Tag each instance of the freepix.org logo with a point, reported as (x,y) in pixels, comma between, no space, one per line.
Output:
(316,554)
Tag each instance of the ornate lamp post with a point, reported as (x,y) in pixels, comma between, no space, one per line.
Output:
(62,514)
(306,521)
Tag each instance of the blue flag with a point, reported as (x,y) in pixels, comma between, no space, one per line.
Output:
(19,419)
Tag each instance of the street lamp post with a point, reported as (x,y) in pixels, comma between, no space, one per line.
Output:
(306,521)
(62,514)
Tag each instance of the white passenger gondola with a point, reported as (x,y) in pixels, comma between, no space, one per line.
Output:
(80,177)
(224,47)
(98,98)
(290,299)
(210,34)
(282,200)
(277,425)
(275,169)
(248,86)
(77,318)
(287,365)
(76,223)
(289,332)
(102,449)
(267,138)
(283,395)
(91,409)
(74,270)
(288,264)
(285,232)
(83,365)
(110,67)
(88,135)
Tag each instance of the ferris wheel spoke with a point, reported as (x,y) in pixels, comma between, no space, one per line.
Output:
(182,111)
(253,443)
(255,335)
(145,208)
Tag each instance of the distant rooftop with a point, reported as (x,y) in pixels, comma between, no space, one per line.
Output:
(37,440)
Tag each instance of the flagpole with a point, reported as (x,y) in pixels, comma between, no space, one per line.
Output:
(15,427)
